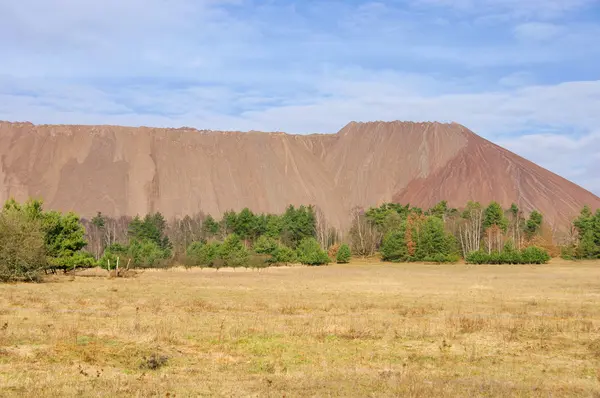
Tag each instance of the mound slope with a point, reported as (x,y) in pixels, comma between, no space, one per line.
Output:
(129,171)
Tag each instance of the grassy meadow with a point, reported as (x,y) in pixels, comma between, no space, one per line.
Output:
(363,329)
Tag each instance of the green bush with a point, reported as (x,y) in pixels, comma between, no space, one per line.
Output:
(80,259)
(343,255)
(529,255)
(265,245)
(138,254)
(284,255)
(22,248)
(258,261)
(201,254)
(393,247)
(442,258)
(477,257)
(510,257)
(64,235)
(233,252)
(310,252)
(568,253)
(534,255)
(148,254)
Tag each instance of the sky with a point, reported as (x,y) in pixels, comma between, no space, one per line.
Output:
(522,73)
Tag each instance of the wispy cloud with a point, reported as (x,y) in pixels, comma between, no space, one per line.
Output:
(545,9)
(509,69)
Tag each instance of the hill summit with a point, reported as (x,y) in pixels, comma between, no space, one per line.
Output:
(129,171)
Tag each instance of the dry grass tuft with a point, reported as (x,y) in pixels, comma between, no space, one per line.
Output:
(154,362)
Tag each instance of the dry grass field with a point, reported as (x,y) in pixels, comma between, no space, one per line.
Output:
(364,329)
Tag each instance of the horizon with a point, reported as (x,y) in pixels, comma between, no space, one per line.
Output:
(522,74)
(237,131)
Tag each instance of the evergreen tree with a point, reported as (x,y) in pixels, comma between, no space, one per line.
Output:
(433,241)
(585,221)
(588,228)
(494,215)
(310,252)
(596,228)
(202,253)
(151,228)
(534,224)
(245,224)
(274,226)
(298,224)
(228,222)
(233,252)
(343,255)
(210,227)
(587,247)
(284,255)
(393,247)
(265,245)
(440,210)
(98,221)
(65,237)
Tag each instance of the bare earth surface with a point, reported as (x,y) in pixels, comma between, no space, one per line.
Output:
(365,329)
(129,171)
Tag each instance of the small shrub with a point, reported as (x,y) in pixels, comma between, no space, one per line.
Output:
(284,255)
(333,250)
(277,252)
(258,261)
(442,258)
(510,257)
(265,245)
(343,255)
(201,254)
(534,255)
(22,249)
(529,255)
(233,252)
(154,362)
(568,253)
(140,254)
(477,257)
(310,253)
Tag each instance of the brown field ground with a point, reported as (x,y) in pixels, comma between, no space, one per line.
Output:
(364,329)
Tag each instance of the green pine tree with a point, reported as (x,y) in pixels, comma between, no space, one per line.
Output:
(343,255)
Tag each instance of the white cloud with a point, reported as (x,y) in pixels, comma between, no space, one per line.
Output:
(537,31)
(517,79)
(513,8)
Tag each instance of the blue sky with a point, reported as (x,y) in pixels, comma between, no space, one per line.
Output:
(523,73)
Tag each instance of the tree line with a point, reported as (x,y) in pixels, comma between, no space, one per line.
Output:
(584,241)
(34,241)
(491,234)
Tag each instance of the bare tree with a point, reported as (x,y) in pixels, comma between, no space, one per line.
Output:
(116,230)
(364,236)
(103,231)
(516,220)
(182,232)
(494,239)
(471,229)
(322,228)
